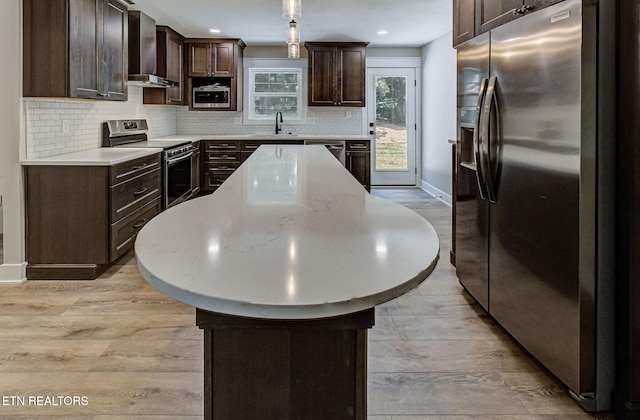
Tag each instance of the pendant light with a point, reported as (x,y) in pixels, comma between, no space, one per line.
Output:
(292,9)
(293,34)
(293,50)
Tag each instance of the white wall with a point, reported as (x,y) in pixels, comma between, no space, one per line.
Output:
(438,116)
(13,268)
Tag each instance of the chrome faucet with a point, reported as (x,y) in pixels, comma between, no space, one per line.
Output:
(278,124)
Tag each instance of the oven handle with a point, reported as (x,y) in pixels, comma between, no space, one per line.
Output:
(179,159)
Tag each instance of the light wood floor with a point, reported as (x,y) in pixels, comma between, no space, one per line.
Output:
(134,353)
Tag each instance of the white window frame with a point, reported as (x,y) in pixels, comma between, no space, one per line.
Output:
(252,66)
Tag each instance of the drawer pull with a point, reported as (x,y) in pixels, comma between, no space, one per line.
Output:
(358,146)
(251,147)
(144,165)
(142,191)
(140,223)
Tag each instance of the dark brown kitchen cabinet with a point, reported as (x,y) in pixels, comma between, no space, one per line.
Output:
(464,15)
(358,161)
(80,219)
(212,58)
(170,58)
(493,13)
(219,160)
(337,74)
(75,49)
(490,14)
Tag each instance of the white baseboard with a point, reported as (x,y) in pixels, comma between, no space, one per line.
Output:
(13,273)
(436,193)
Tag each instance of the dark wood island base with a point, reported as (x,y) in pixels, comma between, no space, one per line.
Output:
(280,369)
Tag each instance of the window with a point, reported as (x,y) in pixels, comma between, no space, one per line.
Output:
(275,89)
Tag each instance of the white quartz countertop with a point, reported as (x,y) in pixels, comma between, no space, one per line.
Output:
(283,137)
(290,235)
(103,156)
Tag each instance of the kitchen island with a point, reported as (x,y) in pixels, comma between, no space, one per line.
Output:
(285,264)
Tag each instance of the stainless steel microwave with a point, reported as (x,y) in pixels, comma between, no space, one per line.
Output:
(211,97)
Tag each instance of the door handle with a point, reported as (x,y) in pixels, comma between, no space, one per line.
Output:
(477,140)
(490,103)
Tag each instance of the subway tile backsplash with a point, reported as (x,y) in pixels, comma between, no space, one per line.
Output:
(57,126)
(327,120)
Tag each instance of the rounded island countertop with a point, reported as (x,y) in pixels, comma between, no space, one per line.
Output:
(289,235)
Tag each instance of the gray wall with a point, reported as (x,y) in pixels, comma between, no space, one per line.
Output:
(438,115)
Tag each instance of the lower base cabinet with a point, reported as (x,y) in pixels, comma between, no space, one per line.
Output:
(358,161)
(81,219)
(221,157)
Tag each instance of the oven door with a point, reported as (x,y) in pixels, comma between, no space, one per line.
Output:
(177,180)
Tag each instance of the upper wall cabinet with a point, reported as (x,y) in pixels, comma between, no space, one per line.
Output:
(337,73)
(170,58)
(75,49)
(474,17)
(493,13)
(464,19)
(212,58)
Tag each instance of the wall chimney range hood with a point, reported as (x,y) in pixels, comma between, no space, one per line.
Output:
(143,68)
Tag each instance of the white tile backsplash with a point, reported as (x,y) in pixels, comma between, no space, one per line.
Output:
(56,126)
(328,120)
(45,126)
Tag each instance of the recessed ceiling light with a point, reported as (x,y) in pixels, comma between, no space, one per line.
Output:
(214,31)
(383,32)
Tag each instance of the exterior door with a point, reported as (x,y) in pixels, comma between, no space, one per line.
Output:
(392,125)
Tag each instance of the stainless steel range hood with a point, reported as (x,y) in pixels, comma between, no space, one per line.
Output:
(142,52)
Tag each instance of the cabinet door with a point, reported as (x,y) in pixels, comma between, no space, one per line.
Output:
(464,14)
(493,13)
(359,164)
(222,55)
(199,60)
(351,76)
(322,76)
(174,69)
(85,42)
(114,72)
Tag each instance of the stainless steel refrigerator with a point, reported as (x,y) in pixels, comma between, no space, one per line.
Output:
(534,191)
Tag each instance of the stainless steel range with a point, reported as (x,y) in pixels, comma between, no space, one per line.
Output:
(176,156)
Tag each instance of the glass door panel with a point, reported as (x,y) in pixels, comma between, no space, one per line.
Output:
(391,110)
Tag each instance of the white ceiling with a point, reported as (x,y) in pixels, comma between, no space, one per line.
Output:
(410,23)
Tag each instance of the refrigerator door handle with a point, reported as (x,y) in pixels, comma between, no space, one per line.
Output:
(490,105)
(477,140)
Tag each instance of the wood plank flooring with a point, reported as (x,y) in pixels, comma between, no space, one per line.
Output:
(136,354)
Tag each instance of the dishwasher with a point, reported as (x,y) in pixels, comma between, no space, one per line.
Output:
(336,147)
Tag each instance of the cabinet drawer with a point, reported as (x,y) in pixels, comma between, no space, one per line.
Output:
(123,232)
(355,145)
(221,145)
(215,167)
(125,171)
(216,157)
(129,196)
(213,179)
